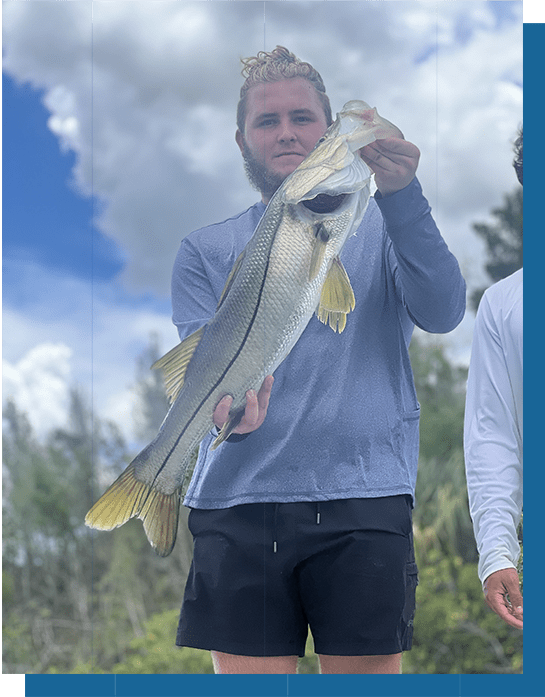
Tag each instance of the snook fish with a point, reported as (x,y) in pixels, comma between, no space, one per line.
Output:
(289,269)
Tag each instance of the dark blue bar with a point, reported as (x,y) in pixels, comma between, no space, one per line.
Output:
(70,685)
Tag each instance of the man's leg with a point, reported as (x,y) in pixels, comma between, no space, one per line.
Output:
(230,663)
(390,664)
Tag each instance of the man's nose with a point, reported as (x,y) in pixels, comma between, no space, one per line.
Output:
(286,132)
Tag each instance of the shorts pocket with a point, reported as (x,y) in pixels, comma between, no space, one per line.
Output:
(411,582)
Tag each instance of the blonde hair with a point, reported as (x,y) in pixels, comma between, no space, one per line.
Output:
(275,65)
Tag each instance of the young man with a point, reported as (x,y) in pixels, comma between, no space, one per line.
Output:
(493,438)
(304,516)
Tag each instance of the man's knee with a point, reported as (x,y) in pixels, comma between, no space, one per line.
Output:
(231,663)
(390,664)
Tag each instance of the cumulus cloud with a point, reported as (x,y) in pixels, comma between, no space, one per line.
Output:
(81,335)
(145,95)
(38,384)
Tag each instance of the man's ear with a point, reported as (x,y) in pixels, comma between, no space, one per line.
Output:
(240,140)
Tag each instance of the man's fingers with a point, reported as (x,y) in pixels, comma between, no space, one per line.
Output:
(512,620)
(221,412)
(264,393)
(499,605)
(500,586)
(256,405)
(254,411)
(391,149)
(251,413)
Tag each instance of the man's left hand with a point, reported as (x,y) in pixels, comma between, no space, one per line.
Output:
(394,162)
(255,412)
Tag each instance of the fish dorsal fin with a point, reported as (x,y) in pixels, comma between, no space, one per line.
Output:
(174,363)
(230,278)
(337,298)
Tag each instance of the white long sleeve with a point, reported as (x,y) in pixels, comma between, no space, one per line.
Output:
(493,425)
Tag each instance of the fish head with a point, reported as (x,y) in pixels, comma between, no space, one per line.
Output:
(362,124)
(334,165)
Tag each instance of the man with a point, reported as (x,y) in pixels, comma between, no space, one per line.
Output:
(303,518)
(493,438)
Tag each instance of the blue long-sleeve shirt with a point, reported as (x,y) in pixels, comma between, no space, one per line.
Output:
(343,415)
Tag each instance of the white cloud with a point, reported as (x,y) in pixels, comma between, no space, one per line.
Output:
(146,94)
(67,332)
(38,384)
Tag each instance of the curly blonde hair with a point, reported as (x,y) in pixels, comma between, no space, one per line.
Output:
(275,65)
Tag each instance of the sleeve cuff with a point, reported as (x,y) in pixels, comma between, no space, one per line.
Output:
(403,207)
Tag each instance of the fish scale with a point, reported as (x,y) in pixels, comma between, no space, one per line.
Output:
(289,269)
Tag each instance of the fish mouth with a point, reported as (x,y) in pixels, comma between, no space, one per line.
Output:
(324,203)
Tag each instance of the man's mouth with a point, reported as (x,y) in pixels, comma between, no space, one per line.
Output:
(286,154)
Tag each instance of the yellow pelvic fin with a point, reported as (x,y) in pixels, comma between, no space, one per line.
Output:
(174,363)
(318,251)
(228,427)
(337,298)
(127,498)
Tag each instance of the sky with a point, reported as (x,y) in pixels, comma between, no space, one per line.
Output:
(118,140)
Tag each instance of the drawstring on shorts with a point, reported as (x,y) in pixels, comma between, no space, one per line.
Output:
(275,528)
(275,523)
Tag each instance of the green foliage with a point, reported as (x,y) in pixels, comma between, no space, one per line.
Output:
(441,491)
(520,561)
(83,601)
(503,240)
(155,651)
(454,630)
(150,390)
(309,663)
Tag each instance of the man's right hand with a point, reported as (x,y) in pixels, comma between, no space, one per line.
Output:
(496,587)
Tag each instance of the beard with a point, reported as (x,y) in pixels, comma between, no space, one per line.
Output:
(260,178)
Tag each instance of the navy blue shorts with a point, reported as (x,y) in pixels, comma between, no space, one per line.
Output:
(263,573)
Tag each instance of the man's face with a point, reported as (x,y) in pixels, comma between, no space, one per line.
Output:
(284,120)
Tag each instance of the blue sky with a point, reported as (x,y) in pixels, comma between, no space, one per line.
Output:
(43,216)
(119,140)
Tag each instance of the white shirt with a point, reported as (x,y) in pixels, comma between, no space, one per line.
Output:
(493,426)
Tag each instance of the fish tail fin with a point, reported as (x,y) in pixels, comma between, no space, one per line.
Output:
(126,498)
(159,515)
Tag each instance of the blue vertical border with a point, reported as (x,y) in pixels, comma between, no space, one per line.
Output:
(527,685)
(534,230)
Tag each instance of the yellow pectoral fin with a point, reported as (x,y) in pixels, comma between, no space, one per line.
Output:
(337,298)
(174,363)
